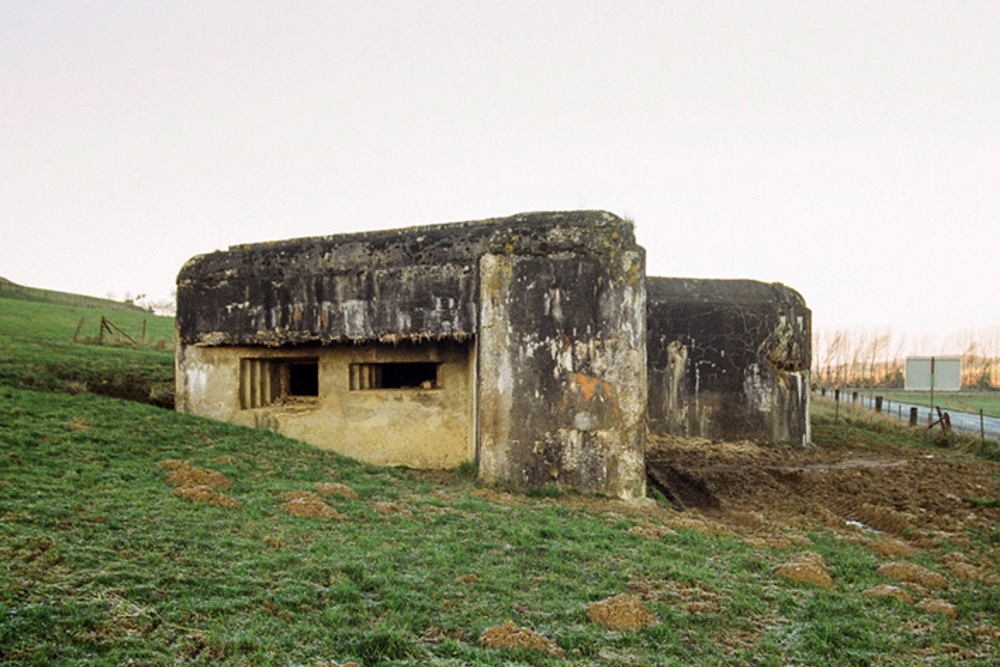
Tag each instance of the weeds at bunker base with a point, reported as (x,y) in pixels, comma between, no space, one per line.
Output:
(533,345)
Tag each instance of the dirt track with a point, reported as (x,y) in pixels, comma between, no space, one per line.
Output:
(926,495)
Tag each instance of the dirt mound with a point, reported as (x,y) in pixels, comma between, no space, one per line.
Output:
(700,524)
(385,507)
(911,573)
(336,489)
(205,494)
(308,505)
(959,566)
(621,613)
(509,635)
(934,606)
(890,548)
(889,591)
(185,474)
(806,567)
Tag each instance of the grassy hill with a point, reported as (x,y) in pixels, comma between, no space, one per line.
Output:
(54,342)
(134,535)
(13,291)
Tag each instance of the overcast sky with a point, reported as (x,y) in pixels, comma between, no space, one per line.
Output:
(850,150)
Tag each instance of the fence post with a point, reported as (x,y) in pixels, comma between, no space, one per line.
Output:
(854,397)
(913,415)
(878,404)
(836,400)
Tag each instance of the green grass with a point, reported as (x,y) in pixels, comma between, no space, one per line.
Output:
(104,565)
(37,350)
(13,291)
(962,401)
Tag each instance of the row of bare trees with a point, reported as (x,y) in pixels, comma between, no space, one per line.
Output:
(877,358)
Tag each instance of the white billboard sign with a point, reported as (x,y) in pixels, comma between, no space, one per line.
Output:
(933,373)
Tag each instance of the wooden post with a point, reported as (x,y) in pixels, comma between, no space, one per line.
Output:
(836,400)
(913,415)
(76,334)
(982,428)
(878,404)
(144,332)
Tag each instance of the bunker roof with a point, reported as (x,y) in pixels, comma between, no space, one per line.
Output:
(708,291)
(402,284)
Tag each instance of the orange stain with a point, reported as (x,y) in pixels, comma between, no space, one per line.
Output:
(587,384)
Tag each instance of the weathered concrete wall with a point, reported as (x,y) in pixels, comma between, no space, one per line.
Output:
(561,395)
(728,359)
(411,284)
(562,385)
(420,428)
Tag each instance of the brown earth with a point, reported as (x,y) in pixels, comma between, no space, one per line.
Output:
(622,613)
(509,635)
(185,474)
(205,494)
(308,505)
(806,567)
(897,498)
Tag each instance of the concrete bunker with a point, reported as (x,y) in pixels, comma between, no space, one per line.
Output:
(517,343)
(532,345)
(728,359)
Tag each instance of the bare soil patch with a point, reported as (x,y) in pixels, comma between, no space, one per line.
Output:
(308,505)
(911,573)
(889,591)
(935,606)
(184,474)
(509,636)
(806,567)
(899,499)
(205,494)
(622,613)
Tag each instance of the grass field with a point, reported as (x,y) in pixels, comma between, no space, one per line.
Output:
(105,563)
(37,348)
(964,401)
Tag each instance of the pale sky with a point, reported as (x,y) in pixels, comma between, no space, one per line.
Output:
(850,150)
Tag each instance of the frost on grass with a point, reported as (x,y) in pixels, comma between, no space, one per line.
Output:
(509,635)
(308,505)
(912,573)
(807,568)
(621,613)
